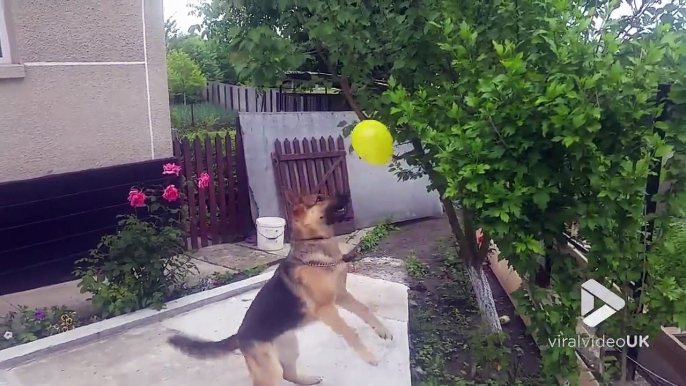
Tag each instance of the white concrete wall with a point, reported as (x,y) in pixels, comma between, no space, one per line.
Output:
(376,192)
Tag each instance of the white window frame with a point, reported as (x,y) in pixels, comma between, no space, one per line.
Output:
(6,58)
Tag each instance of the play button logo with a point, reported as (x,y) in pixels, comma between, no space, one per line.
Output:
(591,290)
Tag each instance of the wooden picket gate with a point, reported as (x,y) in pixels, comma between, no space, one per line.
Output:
(313,166)
(219,213)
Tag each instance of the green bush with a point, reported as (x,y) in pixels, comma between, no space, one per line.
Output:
(667,264)
(203,117)
(145,261)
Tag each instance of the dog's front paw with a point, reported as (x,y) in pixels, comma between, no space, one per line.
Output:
(384,333)
(369,357)
(306,380)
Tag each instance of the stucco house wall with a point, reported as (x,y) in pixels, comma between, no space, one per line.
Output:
(85,86)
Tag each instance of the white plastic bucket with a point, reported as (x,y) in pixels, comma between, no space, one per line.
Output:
(270,232)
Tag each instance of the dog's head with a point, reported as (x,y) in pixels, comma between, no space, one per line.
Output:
(314,215)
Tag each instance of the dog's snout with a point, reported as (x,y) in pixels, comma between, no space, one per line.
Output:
(342,199)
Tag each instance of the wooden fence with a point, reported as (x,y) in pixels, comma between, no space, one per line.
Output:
(219,213)
(249,99)
(313,166)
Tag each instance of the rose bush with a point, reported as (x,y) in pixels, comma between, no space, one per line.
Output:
(144,262)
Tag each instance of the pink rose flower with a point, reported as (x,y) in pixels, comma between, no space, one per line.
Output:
(203,180)
(171,168)
(170,193)
(137,198)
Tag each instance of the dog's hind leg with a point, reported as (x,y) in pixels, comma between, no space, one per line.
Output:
(288,350)
(263,364)
(348,302)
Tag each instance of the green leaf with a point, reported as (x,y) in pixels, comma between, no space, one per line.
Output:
(663,150)
(541,199)
(498,48)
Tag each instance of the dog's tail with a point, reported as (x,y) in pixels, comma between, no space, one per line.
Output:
(203,349)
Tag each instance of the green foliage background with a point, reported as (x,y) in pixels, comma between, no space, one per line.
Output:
(528,114)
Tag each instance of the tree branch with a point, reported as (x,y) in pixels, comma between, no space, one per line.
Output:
(348,94)
(483,249)
(465,250)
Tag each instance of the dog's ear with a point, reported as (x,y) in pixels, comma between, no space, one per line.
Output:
(292,197)
(310,200)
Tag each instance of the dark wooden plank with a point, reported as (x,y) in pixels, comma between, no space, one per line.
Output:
(247,105)
(301,168)
(311,170)
(246,224)
(212,190)
(226,100)
(202,194)
(231,184)
(280,177)
(319,165)
(346,180)
(223,226)
(283,168)
(330,182)
(292,169)
(337,174)
(177,149)
(179,184)
(190,189)
(301,156)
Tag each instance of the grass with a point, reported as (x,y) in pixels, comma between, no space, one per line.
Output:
(371,240)
(201,117)
(415,268)
(201,134)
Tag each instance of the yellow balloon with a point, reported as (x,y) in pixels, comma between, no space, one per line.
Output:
(373,142)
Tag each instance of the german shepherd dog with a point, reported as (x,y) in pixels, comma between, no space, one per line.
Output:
(306,287)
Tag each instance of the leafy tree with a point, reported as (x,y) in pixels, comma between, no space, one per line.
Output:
(219,17)
(201,51)
(523,113)
(183,74)
(171,30)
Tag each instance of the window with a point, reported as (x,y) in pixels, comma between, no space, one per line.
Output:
(4,38)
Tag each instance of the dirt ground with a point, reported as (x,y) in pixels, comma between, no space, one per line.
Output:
(447,345)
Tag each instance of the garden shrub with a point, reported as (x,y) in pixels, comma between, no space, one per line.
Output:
(144,261)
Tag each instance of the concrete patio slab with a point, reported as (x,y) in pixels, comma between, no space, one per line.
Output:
(235,256)
(140,356)
(346,243)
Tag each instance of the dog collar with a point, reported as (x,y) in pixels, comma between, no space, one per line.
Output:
(318,264)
